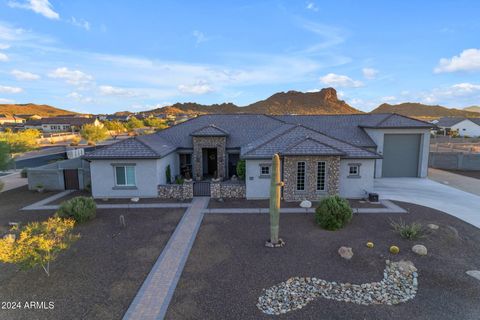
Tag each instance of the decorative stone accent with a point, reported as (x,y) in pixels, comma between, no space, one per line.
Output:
(176,191)
(310,193)
(280,244)
(345,252)
(420,249)
(227,189)
(200,143)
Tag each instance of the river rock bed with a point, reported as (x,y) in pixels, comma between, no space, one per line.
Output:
(399,285)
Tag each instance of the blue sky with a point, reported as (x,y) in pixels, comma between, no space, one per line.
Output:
(106,56)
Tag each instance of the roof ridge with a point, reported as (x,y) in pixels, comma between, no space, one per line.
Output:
(265,142)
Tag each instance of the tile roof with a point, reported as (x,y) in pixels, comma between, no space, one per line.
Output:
(259,136)
(131,148)
(297,138)
(209,131)
(447,122)
(68,120)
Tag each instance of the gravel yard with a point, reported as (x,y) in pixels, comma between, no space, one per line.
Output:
(229,266)
(99,275)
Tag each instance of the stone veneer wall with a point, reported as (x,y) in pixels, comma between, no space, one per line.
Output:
(228,190)
(200,143)
(176,191)
(310,193)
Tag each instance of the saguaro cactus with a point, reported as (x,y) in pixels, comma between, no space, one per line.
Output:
(275,189)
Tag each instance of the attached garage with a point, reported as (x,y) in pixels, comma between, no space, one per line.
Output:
(401,155)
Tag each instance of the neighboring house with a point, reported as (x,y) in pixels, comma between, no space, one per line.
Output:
(321,155)
(10,119)
(112,117)
(61,124)
(29,116)
(462,126)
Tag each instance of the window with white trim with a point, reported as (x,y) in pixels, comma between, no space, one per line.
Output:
(265,170)
(125,176)
(301,176)
(353,170)
(321,173)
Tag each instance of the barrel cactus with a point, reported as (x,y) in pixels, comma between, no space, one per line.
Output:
(275,191)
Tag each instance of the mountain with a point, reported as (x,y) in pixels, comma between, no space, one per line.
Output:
(472,109)
(423,111)
(42,110)
(324,101)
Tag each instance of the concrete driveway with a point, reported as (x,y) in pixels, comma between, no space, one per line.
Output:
(13,181)
(425,192)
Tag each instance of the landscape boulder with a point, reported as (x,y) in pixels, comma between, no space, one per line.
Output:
(345,252)
(420,249)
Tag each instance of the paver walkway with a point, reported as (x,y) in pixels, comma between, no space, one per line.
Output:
(151,301)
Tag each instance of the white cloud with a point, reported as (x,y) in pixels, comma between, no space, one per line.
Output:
(312,6)
(7,89)
(3,57)
(24,75)
(6,101)
(79,97)
(199,36)
(468,60)
(467,93)
(81,23)
(74,77)
(42,7)
(388,98)
(337,80)
(201,87)
(369,73)
(114,91)
(4,46)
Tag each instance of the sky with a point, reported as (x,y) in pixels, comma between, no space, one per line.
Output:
(106,56)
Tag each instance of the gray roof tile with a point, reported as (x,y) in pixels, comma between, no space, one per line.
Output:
(209,131)
(130,148)
(310,146)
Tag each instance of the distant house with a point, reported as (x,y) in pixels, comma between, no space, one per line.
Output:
(29,116)
(462,126)
(10,119)
(113,117)
(61,124)
(320,156)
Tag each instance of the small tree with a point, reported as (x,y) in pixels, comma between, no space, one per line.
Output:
(4,155)
(133,123)
(38,243)
(168,174)
(241,169)
(20,141)
(93,133)
(156,123)
(115,128)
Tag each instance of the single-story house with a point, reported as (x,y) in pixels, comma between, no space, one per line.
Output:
(462,126)
(121,118)
(10,119)
(320,155)
(29,116)
(61,124)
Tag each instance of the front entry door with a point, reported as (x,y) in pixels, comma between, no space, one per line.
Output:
(212,162)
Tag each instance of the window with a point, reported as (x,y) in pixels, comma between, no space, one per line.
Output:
(125,175)
(265,170)
(300,176)
(353,170)
(321,175)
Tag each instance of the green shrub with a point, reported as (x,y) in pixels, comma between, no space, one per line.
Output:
(241,169)
(410,231)
(24,173)
(80,208)
(333,213)
(168,174)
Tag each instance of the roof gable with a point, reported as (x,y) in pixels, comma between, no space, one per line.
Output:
(131,148)
(209,131)
(310,146)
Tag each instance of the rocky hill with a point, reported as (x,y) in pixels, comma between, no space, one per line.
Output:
(42,110)
(473,109)
(423,111)
(324,101)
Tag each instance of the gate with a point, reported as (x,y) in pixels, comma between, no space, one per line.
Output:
(201,189)
(71,179)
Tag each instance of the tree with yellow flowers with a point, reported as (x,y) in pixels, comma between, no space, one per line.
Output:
(38,243)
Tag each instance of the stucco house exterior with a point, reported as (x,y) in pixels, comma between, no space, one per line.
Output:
(320,155)
(463,126)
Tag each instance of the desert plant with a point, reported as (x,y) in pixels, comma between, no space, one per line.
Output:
(179,180)
(5,157)
(168,174)
(38,243)
(81,209)
(275,191)
(241,169)
(24,173)
(40,187)
(410,231)
(333,213)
